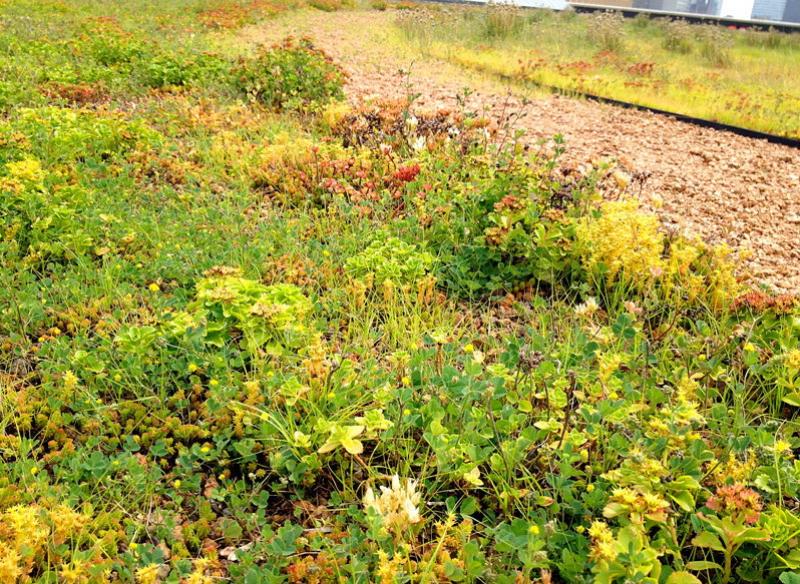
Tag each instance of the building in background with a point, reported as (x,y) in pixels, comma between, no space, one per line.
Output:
(768,9)
(710,7)
(736,9)
(614,3)
(551,4)
(792,12)
(774,10)
(666,5)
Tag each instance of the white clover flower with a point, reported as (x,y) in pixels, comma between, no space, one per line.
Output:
(587,308)
(398,505)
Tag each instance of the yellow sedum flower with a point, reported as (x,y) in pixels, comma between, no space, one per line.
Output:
(626,246)
(389,569)
(28,170)
(70,381)
(608,363)
(602,542)
(10,570)
(66,522)
(782,447)
(198,577)
(791,360)
(148,574)
(335,113)
(74,573)
(27,532)
(25,523)
(624,240)
(734,470)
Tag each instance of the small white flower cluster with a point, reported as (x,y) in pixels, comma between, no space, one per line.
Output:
(397,505)
(587,308)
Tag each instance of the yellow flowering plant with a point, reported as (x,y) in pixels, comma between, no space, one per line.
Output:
(623,248)
(33,538)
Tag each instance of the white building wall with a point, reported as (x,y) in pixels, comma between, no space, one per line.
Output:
(736,8)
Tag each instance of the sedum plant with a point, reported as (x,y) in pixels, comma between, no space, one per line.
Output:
(390,258)
(229,308)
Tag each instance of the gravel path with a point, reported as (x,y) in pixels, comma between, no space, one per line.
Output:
(715,184)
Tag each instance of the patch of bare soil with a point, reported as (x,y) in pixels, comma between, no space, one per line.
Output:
(721,186)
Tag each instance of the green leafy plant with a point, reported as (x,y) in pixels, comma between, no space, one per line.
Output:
(390,258)
(291,75)
(226,307)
